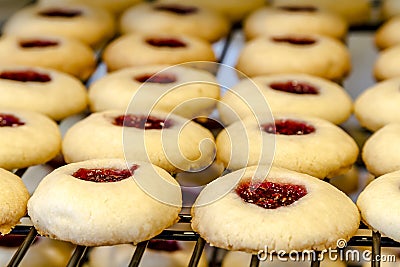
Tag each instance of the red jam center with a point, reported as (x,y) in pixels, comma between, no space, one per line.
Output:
(270,195)
(294,40)
(164,245)
(177,9)
(104,175)
(8,120)
(37,43)
(156,78)
(165,42)
(298,8)
(142,122)
(25,76)
(288,127)
(295,87)
(59,12)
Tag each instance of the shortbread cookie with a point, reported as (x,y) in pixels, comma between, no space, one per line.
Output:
(88,24)
(378,205)
(380,151)
(179,89)
(296,53)
(13,200)
(300,143)
(148,49)
(379,105)
(174,18)
(387,35)
(60,53)
(287,20)
(387,64)
(168,141)
(27,138)
(53,93)
(390,8)
(292,93)
(233,211)
(105,202)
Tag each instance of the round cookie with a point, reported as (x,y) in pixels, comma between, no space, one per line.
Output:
(387,34)
(390,8)
(300,143)
(88,24)
(232,212)
(60,53)
(380,151)
(103,202)
(174,18)
(148,49)
(27,138)
(166,140)
(378,205)
(13,200)
(296,53)
(291,93)
(183,90)
(47,91)
(294,20)
(379,105)
(387,64)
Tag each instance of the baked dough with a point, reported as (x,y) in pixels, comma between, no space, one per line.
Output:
(387,64)
(291,20)
(137,49)
(225,220)
(13,200)
(296,53)
(380,151)
(291,93)
(180,89)
(89,213)
(378,105)
(31,139)
(377,203)
(174,18)
(60,53)
(390,8)
(387,36)
(47,91)
(183,145)
(88,24)
(304,144)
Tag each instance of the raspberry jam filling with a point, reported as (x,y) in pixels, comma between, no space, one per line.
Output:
(298,8)
(156,78)
(270,195)
(8,120)
(165,42)
(142,122)
(59,12)
(288,127)
(37,43)
(177,9)
(104,175)
(294,40)
(25,76)
(295,87)
(164,245)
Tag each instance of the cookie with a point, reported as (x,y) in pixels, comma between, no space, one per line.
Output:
(232,212)
(13,200)
(378,205)
(47,91)
(168,141)
(386,36)
(295,53)
(390,8)
(27,138)
(378,105)
(381,149)
(137,49)
(288,20)
(183,90)
(300,143)
(60,53)
(105,202)
(174,18)
(88,24)
(291,93)
(386,65)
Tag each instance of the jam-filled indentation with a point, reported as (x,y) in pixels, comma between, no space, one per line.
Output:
(142,122)
(60,12)
(25,76)
(295,87)
(288,127)
(37,43)
(106,175)
(295,40)
(9,120)
(177,9)
(162,78)
(299,8)
(166,42)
